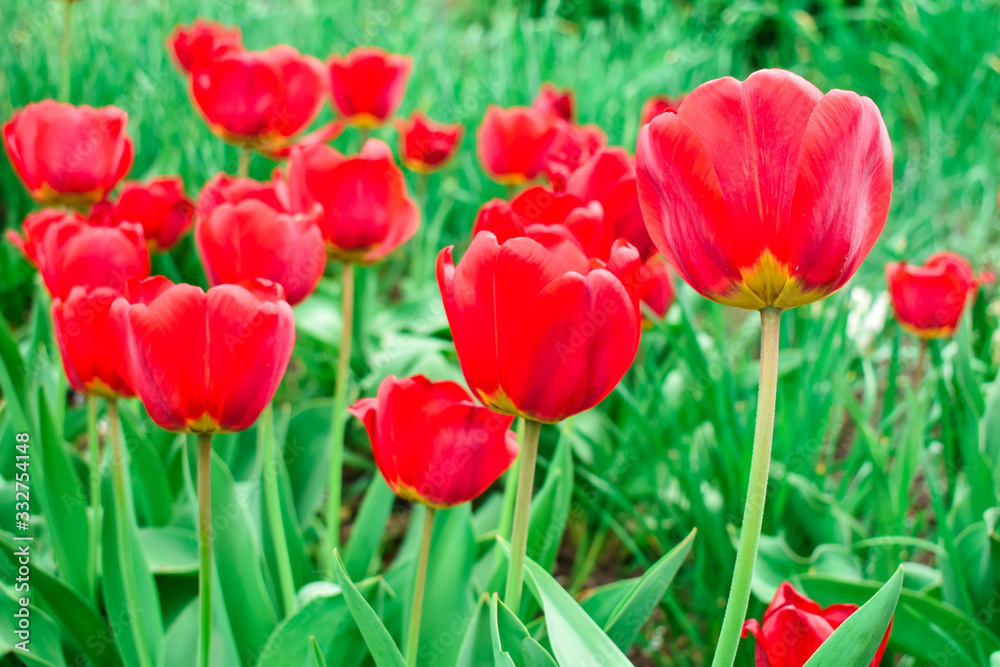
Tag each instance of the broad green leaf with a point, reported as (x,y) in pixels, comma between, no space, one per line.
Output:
(170,550)
(857,639)
(777,562)
(13,380)
(602,601)
(306,451)
(477,646)
(153,497)
(550,507)
(181,645)
(368,528)
(379,641)
(43,641)
(512,644)
(325,622)
(302,570)
(317,654)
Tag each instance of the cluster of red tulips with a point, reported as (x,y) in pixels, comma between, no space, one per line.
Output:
(764,194)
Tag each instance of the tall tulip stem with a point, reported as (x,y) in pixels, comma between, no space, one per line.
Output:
(918,375)
(753,513)
(243,165)
(64,53)
(130,587)
(265,434)
(339,415)
(522,514)
(94,447)
(510,489)
(416,611)
(205,547)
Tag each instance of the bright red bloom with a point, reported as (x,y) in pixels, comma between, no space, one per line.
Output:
(656,286)
(260,99)
(195,46)
(426,146)
(572,147)
(658,104)
(160,206)
(34,226)
(432,443)
(929,300)
(499,218)
(766,192)
(554,100)
(366,211)
(67,155)
(234,189)
(512,144)
(609,178)
(368,85)
(535,337)
(539,205)
(82,330)
(75,252)
(252,240)
(204,362)
(794,627)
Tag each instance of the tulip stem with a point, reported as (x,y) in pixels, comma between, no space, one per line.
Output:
(522,514)
(753,513)
(130,587)
(363,134)
(413,636)
(265,434)
(205,547)
(339,414)
(510,488)
(94,445)
(64,79)
(918,375)
(243,166)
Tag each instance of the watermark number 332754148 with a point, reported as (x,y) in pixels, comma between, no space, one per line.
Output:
(22,553)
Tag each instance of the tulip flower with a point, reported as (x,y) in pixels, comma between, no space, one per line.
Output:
(656,288)
(367,85)
(34,226)
(499,218)
(160,206)
(67,155)
(194,47)
(426,146)
(586,222)
(658,104)
(512,144)
(929,300)
(223,188)
(573,146)
(764,194)
(794,627)
(561,103)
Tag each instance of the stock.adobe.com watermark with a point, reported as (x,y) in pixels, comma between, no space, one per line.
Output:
(22,553)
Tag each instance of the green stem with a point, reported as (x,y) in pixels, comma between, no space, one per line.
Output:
(422,247)
(94,446)
(753,513)
(205,547)
(127,564)
(363,134)
(510,489)
(243,166)
(511,191)
(64,79)
(522,515)
(338,418)
(265,435)
(413,636)
(918,375)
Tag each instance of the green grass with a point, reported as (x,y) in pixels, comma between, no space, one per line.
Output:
(868,471)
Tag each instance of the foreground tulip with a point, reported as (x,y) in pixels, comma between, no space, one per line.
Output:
(67,155)
(561,103)
(426,146)
(196,46)
(659,104)
(584,221)
(160,206)
(794,627)
(764,194)
(929,300)
(368,85)
(512,144)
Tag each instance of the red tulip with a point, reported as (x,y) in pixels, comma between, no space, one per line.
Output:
(534,336)
(75,252)
(609,178)
(794,627)
(34,225)
(658,104)
(194,47)
(499,218)
(260,99)
(67,155)
(513,144)
(585,221)
(766,192)
(556,101)
(234,189)
(252,240)
(323,135)
(572,147)
(656,287)
(929,300)
(432,443)
(426,146)
(366,211)
(159,206)
(368,84)
(82,329)
(204,362)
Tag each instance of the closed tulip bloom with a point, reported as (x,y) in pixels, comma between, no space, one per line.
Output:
(929,300)
(559,102)
(75,252)
(195,46)
(426,146)
(794,627)
(67,155)
(512,144)
(658,104)
(573,146)
(160,206)
(536,337)
(766,192)
(500,219)
(539,205)
(366,211)
(204,362)
(82,330)
(34,226)
(434,444)
(260,99)
(656,287)
(234,189)
(252,240)
(368,84)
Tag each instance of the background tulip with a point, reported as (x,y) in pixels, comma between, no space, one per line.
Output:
(754,211)
(234,189)
(426,146)
(82,331)
(539,205)
(656,287)
(556,101)
(68,155)
(512,144)
(34,226)
(572,146)
(194,47)
(658,104)
(368,85)
(160,206)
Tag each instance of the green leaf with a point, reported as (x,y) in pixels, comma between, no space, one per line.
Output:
(302,570)
(512,644)
(857,639)
(306,452)
(324,623)
(550,507)
(477,646)
(317,654)
(153,497)
(170,550)
(368,528)
(13,379)
(181,644)
(379,641)
(43,647)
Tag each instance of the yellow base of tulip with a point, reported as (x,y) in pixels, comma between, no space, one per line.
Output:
(768,282)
